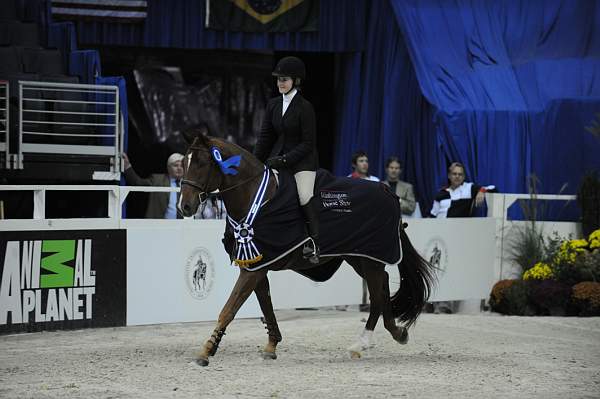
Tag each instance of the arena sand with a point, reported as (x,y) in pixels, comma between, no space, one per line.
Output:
(448,356)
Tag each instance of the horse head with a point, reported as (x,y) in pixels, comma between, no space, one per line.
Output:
(212,164)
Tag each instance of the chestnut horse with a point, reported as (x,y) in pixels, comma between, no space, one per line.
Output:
(204,174)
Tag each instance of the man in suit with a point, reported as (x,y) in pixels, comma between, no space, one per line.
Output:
(160,205)
(404,190)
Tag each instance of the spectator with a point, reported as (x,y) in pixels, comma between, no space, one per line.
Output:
(404,190)
(457,200)
(360,166)
(160,205)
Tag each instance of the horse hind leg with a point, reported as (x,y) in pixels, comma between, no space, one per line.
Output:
(399,333)
(372,272)
(264,300)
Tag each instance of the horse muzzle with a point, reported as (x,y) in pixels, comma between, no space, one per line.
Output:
(188,204)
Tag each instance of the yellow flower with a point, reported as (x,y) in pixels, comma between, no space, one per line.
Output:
(594,239)
(540,271)
(569,250)
(575,244)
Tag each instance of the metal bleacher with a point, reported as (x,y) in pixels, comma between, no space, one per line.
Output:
(60,117)
(67,118)
(47,117)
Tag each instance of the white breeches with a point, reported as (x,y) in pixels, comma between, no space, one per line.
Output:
(305,181)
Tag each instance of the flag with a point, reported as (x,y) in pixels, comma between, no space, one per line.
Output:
(262,15)
(126,11)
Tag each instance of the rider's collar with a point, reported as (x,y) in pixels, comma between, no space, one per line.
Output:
(287,97)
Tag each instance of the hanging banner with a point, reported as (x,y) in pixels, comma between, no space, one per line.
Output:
(122,11)
(62,280)
(262,16)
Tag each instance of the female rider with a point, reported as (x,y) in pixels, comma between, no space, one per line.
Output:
(287,139)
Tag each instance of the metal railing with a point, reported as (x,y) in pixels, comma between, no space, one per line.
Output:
(66,118)
(4,125)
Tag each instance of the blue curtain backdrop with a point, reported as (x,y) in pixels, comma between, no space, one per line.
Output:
(381,108)
(512,85)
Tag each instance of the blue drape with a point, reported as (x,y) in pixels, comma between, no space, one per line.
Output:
(512,85)
(122,85)
(381,108)
(180,24)
(62,35)
(85,64)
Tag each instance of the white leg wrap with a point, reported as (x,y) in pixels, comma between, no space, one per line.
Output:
(363,342)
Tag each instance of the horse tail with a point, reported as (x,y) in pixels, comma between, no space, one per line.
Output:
(417,278)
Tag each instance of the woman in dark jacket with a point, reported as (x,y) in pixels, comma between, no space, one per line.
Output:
(288,140)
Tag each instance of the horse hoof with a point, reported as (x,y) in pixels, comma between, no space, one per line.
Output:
(402,338)
(269,355)
(355,355)
(202,362)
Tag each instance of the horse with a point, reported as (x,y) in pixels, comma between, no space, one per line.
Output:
(204,174)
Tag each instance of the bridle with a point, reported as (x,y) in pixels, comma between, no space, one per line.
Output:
(203,195)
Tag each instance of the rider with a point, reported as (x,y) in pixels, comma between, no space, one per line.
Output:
(288,140)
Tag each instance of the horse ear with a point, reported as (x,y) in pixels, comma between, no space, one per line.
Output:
(197,131)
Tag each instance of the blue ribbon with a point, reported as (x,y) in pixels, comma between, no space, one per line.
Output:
(227,166)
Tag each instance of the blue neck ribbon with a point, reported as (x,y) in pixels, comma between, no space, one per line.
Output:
(227,166)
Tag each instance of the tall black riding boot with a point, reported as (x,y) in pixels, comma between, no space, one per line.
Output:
(311,217)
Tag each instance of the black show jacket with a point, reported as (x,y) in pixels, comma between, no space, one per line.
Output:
(293,135)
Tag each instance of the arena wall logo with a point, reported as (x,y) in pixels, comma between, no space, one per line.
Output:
(436,252)
(47,280)
(199,273)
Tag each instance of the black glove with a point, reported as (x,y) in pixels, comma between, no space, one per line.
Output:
(276,162)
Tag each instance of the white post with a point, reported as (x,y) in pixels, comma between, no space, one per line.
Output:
(113,204)
(39,204)
(496,210)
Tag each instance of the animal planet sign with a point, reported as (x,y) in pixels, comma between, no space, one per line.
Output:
(67,279)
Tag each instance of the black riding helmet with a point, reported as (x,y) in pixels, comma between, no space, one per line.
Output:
(290,66)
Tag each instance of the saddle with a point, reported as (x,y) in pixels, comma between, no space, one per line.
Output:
(357,218)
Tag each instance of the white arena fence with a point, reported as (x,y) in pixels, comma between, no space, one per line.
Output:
(74,273)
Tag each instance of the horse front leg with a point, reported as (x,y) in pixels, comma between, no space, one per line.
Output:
(245,284)
(264,300)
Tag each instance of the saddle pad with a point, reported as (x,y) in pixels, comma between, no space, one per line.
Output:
(357,217)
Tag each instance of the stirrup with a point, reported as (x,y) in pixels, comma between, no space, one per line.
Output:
(310,251)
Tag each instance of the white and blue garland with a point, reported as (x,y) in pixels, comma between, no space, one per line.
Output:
(247,253)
